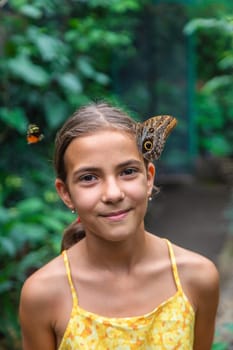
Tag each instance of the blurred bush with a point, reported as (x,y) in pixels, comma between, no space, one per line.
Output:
(53,59)
(214,38)
(30,235)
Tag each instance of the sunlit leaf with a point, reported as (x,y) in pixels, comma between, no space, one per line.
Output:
(15,118)
(49,46)
(70,82)
(218,145)
(31,11)
(4,215)
(22,67)
(30,205)
(217,82)
(206,23)
(7,246)
(220,346)
(85,67)
(51,224)
(101,78)
(56,110)
(226,62)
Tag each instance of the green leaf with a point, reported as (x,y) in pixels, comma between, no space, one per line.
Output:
(22,232)
(7,246)
(220,346)
(216,83)
(218,145)
(50,223)
(5,286)
(199,23)
(30,206)
(122,6)
(31,260)
(49,46)
(208,23)
(22,67)
(15,118)
(85,67)
(4,215)
(17,4)
(102,79)
(70,82)
(56,110)
(226,62)
(31,11)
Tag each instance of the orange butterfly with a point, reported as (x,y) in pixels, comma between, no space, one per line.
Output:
(33,134)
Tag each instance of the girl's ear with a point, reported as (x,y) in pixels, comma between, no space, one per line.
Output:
(150,177)
(63,192)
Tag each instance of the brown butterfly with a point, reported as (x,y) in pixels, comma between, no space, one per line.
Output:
(152,135)
(33,134)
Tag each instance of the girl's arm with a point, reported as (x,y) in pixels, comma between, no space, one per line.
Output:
(206,295)
(35,316)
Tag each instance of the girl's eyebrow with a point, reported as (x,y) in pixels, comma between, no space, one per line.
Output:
(130,162)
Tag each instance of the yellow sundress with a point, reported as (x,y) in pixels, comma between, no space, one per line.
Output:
(169,326)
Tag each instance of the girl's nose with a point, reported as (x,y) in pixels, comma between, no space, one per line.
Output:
(112,192)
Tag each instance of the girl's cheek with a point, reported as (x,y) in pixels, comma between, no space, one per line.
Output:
(86,197)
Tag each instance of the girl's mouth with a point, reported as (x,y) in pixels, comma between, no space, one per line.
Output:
(116,215)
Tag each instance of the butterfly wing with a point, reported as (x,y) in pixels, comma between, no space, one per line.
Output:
(152,135)
(33,134)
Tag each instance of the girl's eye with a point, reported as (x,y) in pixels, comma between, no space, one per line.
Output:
(129,171)
(87,178)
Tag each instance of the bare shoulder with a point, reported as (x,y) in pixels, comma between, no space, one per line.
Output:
(42,287)
(40,298)
(200,282)
(199,275)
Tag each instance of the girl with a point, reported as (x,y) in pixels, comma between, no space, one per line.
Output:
(116,286)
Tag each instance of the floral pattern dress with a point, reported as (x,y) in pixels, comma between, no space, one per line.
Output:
(168,327)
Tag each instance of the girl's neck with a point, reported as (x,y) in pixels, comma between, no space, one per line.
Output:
(117,257)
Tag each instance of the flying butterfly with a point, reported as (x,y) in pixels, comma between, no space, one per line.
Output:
(33,134)
(152,135)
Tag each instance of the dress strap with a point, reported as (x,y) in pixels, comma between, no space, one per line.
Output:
(67,266)
(174,266)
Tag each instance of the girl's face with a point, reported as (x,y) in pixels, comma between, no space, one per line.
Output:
(107,184)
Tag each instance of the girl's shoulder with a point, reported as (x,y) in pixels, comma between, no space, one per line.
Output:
(199,275)
(45,285)
(199,268)
(41,304)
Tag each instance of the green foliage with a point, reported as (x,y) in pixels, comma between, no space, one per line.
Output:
(58,57)
(30,236)
(215,117)
(223,339)
(53,59)
(215,83)
(220,346)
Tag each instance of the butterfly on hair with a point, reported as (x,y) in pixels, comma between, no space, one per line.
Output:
(152,134)
(34,134)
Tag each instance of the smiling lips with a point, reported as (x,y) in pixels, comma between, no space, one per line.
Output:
(117,215)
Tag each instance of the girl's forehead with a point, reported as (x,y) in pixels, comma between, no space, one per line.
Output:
(104,143)
(110,137)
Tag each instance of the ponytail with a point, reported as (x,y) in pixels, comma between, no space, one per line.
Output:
(72,234)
